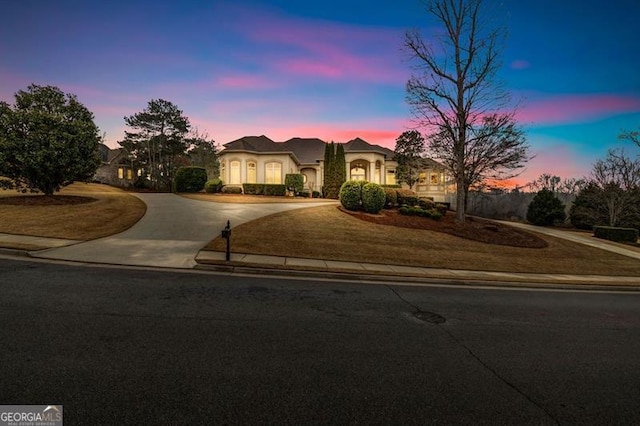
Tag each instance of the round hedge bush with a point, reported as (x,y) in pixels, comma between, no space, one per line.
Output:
(351,195)
(213,186)
(391,198)
(190,179)
(373,197)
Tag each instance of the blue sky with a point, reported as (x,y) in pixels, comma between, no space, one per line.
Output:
(332,69)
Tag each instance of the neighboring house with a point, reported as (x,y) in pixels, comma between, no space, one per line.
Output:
(258,159)
(115,168)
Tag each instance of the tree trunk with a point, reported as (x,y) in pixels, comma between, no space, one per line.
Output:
(460,199)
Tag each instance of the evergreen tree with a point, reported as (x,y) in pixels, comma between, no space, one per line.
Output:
(47,140)
(329,157)
(340,166)
(545,209)
(158,141)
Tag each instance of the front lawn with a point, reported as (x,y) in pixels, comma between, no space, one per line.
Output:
(328,233)
(81,211)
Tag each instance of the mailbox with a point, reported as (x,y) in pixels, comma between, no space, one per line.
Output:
(226,234)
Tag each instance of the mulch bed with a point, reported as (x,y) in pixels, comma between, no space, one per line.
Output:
(44,200)
(473,229)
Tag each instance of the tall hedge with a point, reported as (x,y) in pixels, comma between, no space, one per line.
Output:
(190,179)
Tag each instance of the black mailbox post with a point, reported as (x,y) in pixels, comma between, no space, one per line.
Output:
(226,234)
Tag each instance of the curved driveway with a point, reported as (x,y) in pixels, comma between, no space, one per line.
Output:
(170,234)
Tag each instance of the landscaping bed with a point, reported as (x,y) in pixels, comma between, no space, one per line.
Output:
(473,229)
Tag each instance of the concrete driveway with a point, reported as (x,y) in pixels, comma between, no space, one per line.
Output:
(170,234)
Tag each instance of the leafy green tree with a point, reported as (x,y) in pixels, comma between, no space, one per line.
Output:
(410,146)
(545,209)
(157,141)
(47,140)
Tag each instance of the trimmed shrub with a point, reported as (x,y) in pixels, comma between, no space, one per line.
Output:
(442,208)
(303,194)
(231,190)
(315,194)
(373,197)
(351,195)
(417,211)
(213,186)
(394,186)
(190,179)
(275,189)
(294,182)
(545,209)
(426,203)
(407,197)
(611,233)
(253,188)
(391,197)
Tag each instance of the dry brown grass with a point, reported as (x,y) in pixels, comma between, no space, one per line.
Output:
(251,199)
(327,233)
(113,211)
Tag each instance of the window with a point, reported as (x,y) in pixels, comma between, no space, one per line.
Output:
(391,177)
(129,174)
(358,173)
(120,172)
(251,172)
(273,173)
(433,178)
(234,169)
(422,178)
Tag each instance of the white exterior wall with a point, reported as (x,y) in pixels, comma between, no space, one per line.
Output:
(288,165)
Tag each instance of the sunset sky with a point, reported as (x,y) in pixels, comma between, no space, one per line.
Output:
(333,69)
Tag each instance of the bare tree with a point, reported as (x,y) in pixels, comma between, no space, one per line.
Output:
(618,178)
(631,135)
(456,96)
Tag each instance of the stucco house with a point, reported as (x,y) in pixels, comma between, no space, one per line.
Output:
(258,159)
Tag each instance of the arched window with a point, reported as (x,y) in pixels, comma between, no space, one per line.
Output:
(252,176)
(273,173)
(234,169)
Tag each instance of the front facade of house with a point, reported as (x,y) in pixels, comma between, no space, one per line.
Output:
(115,168)
(258,159)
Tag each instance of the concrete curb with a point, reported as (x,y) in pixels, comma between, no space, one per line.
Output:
(411,280)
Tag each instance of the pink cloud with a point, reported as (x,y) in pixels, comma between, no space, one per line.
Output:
(576,108)
(310,67)
(244,82)
(520,64)
(323,49)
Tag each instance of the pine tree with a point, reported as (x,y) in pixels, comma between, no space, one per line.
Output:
(329,157)
(340,166)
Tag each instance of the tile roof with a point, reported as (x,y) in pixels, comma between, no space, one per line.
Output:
(255,144)
(308,150)
(360,145)
(304,150)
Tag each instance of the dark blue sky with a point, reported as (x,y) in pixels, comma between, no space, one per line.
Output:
(333,70)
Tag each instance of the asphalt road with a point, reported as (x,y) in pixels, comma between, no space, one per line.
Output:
(118,346)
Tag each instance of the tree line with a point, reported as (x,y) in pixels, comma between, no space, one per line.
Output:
(48,140)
